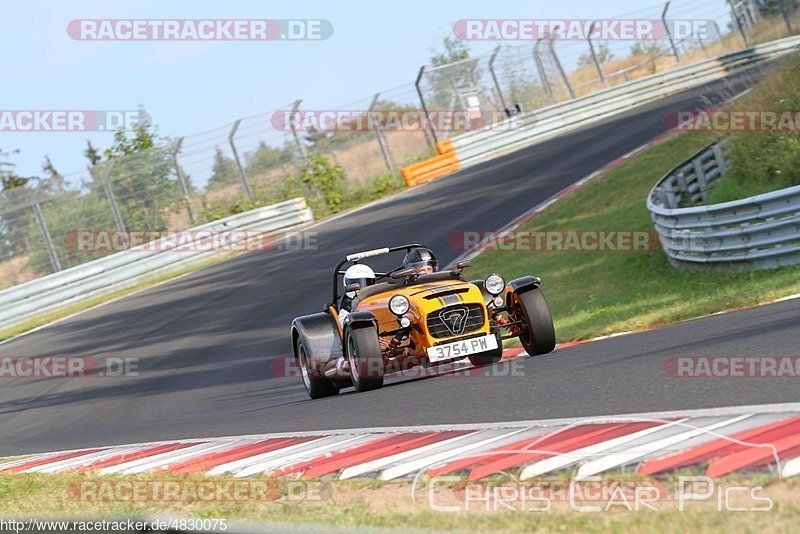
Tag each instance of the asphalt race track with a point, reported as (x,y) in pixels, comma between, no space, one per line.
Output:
(205,342)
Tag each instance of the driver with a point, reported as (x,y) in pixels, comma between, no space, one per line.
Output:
(421,260)
(362,275)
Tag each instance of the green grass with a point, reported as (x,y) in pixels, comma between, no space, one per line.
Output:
(373,504)
(598,293)
(764,161)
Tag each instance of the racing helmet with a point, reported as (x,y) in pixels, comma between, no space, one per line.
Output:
(418,258)
(358,274)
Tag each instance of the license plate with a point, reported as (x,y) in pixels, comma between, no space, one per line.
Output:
(459,349)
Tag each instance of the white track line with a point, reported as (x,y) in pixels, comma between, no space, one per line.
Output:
(618,458)
(376,465)
(301,456)
(413,466)
(563,460)
(245,462)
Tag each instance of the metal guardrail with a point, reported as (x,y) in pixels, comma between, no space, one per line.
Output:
(758,232)
(124,269)
(528,128)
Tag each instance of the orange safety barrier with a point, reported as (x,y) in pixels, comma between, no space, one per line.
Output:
(430,169)
(445,147)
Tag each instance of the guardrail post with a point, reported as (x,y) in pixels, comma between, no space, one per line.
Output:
(540,68)
(379,136)
(48,241)
(785,15)
(552,46)
(722,163)
(182,179)
(242,174)
(669,32)
(738,21)
(594,55)
(111,200)
(295,135)
(494,79)
(700,173)
(425,108)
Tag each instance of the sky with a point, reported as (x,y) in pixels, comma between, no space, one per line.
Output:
(191,87)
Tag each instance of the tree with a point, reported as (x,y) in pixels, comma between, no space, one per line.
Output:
(266,157)
(223,172)
(604,55)
(445,80)
(141,178)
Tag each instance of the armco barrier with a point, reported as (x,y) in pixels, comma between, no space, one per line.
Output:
(124,269)
(531,127)
(760,232)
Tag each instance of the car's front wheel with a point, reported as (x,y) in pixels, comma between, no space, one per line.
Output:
(537,334)
(317,386)
(363,352)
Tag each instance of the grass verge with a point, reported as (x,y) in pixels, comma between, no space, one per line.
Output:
(763,161)
(372,504)
(593,293)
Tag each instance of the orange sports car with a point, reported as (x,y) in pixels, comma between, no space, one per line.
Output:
(406,319)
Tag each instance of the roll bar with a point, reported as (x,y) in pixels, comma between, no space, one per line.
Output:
(358,256)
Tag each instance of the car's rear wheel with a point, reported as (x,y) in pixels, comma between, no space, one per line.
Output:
(537,334)
(317,386)
(488,358)
(363,352)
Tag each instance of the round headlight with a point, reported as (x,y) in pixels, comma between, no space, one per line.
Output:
(494,284)
(398,304)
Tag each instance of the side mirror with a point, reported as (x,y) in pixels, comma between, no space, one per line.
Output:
(405,273)
(462,265)
(352,287)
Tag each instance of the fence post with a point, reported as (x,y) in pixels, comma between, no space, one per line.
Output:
(494,79)
(594,55)
(379,136)
(48,242)
(425,108)
(540,68)
(242,174)
(785,16)
(669,32)
(297,141)
(111,200)
(182,180)
(552,46)
(738,21)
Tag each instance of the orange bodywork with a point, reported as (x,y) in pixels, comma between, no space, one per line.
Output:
(429,299)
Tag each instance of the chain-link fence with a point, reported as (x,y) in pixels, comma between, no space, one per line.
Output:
(257,160)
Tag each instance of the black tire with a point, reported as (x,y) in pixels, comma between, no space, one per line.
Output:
(488,358)
(538,335)
(317,386)
(363,352)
